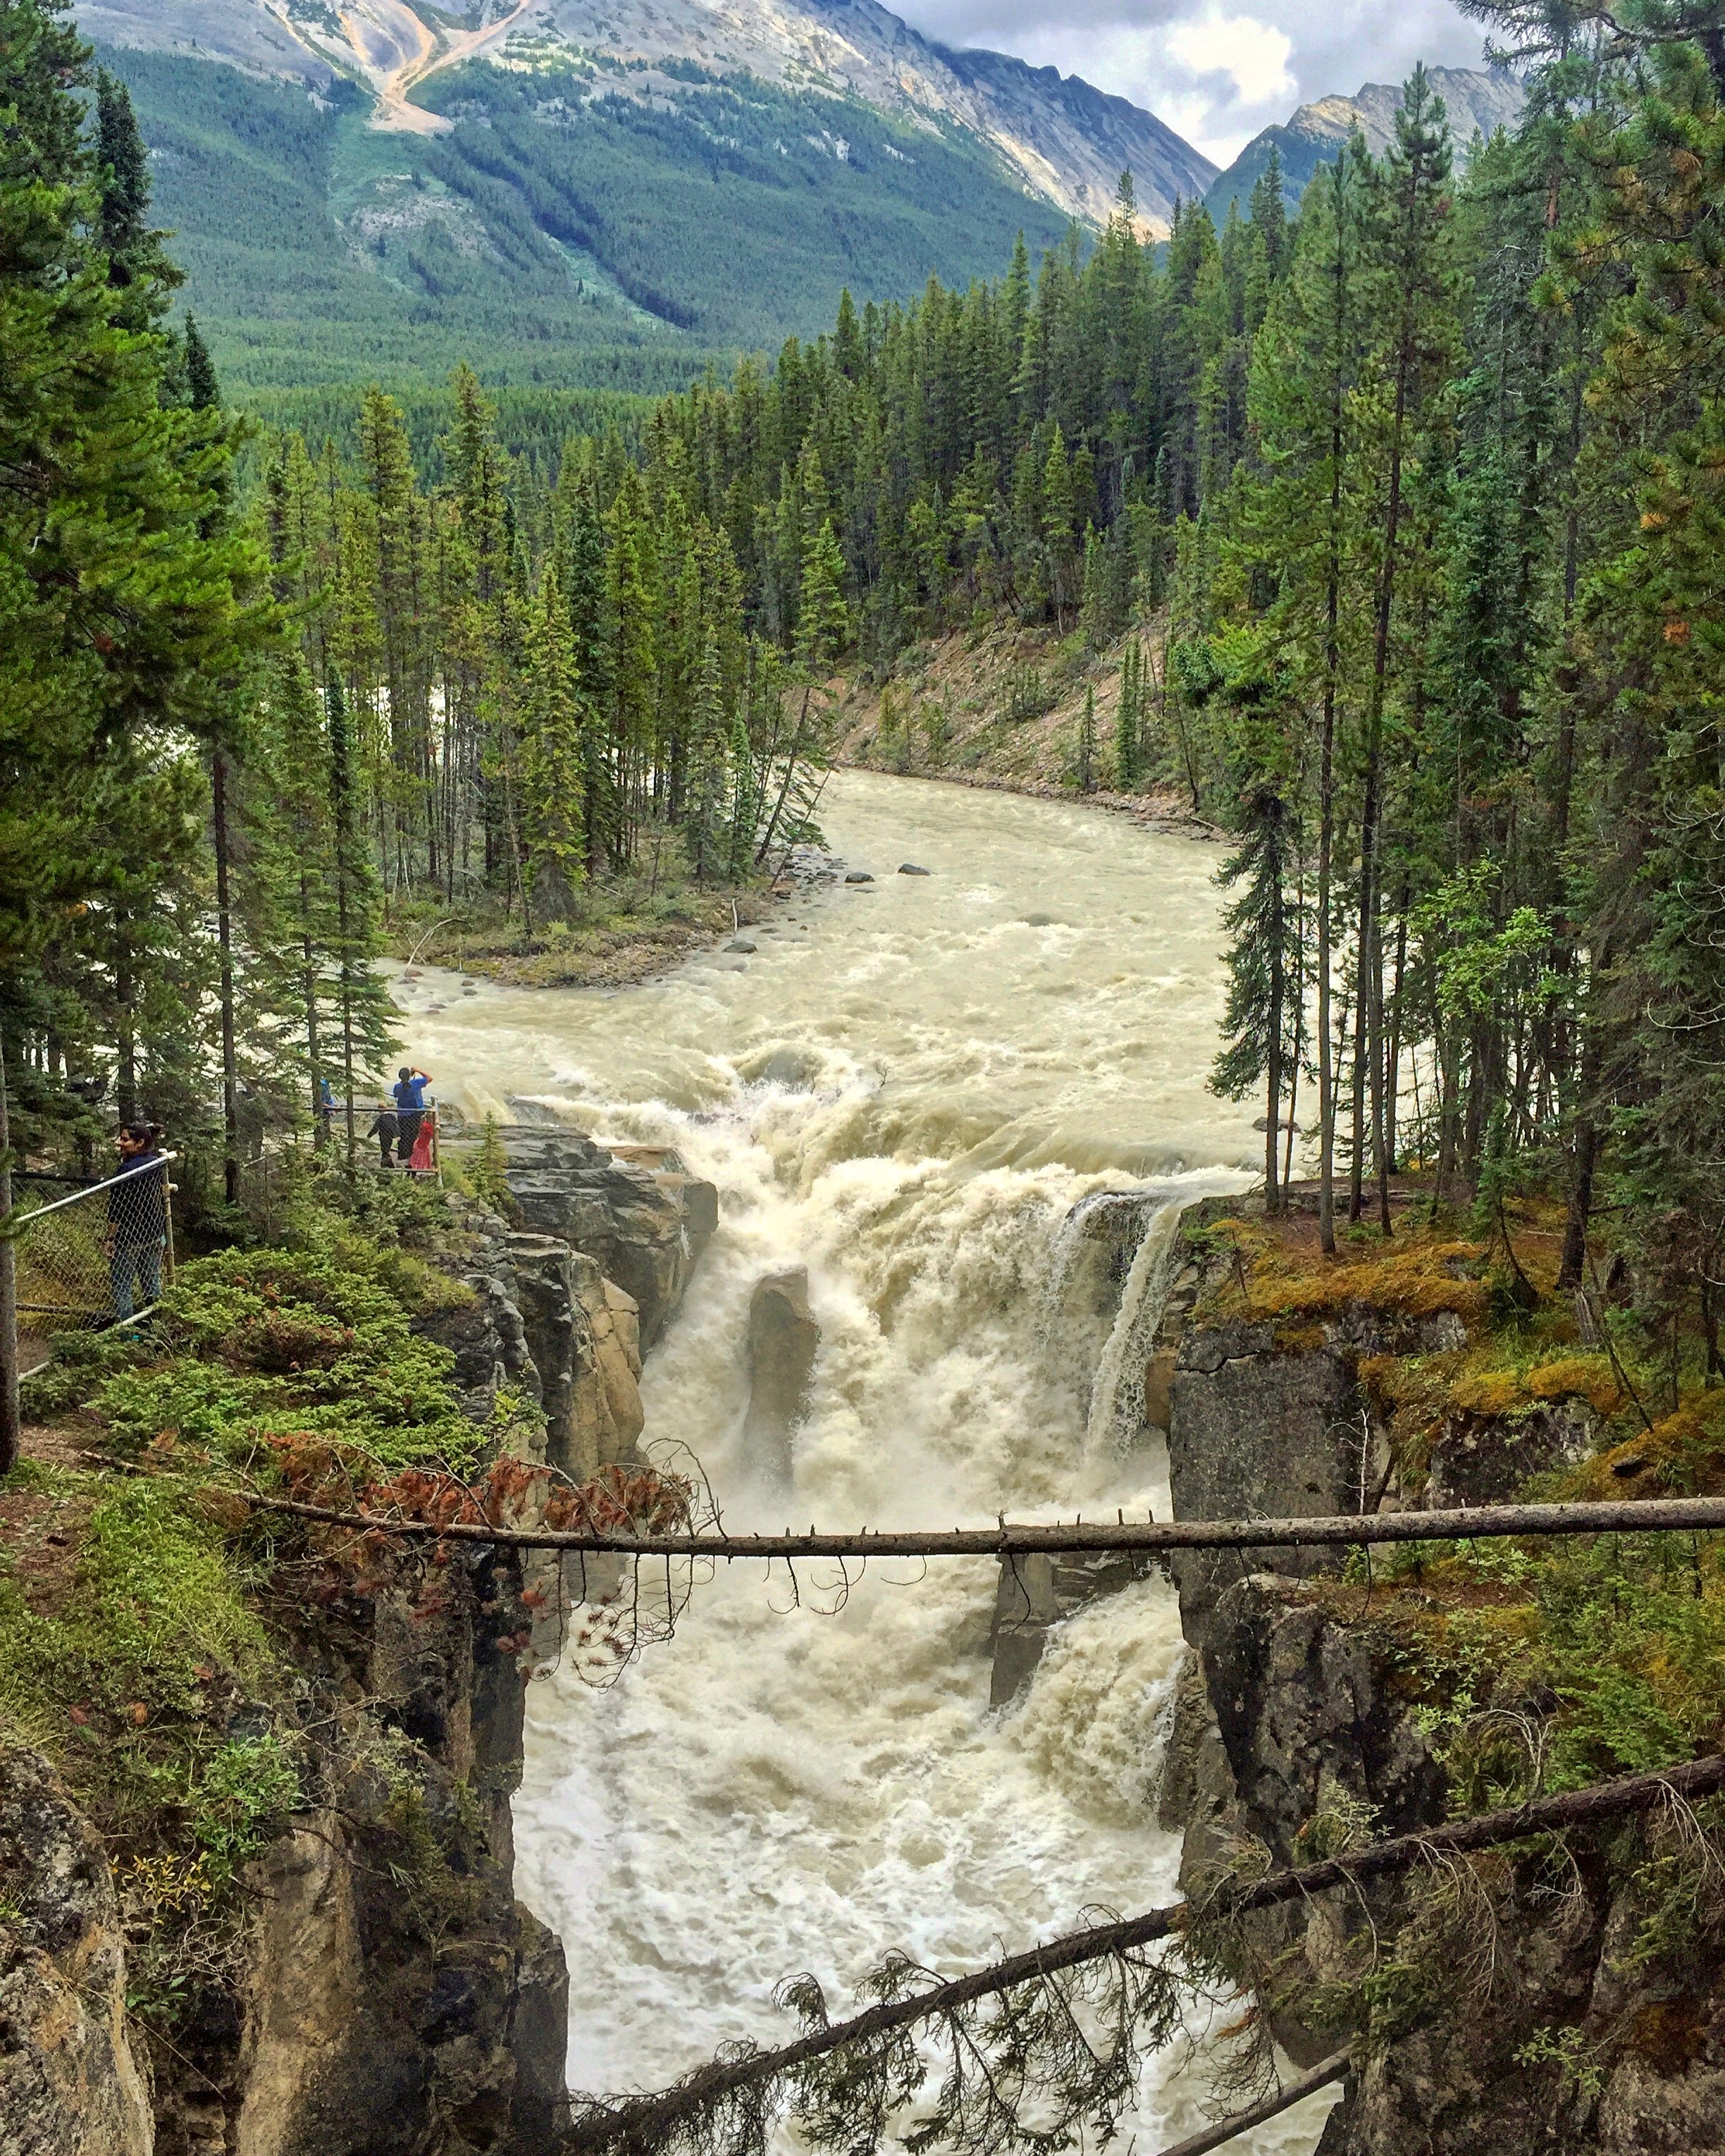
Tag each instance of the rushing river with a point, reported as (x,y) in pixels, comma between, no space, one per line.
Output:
(906,1089)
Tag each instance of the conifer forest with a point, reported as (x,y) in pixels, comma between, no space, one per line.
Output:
(1397,516)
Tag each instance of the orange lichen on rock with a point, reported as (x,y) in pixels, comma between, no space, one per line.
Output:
(1683,1452)
(1417,1274)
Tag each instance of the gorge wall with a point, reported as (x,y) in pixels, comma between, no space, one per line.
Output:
(1548,1998)
(387,1995)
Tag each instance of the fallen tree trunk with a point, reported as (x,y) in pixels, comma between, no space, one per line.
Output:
(1286,2098)
(1649,1515)
(639,2124)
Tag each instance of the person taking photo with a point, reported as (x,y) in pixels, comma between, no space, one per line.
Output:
(409,1090)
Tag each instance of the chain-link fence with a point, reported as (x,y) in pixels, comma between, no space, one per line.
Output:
(97,1255)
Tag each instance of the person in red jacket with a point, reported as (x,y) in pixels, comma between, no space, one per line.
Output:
(422,1160)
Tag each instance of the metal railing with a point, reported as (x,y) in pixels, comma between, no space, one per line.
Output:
(84,1262)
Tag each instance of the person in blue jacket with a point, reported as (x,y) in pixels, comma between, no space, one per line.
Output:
(409,1089)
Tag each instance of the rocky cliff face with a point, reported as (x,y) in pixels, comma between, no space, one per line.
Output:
(631,1209)
(386,1994)
(68,2080)
(1532,2004)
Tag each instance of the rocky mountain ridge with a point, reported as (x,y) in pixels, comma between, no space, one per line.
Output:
(1063,140)
(1474,99)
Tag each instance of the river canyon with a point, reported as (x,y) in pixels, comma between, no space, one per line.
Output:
(912,1087)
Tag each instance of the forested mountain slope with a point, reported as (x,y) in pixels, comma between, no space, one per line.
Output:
(595,202)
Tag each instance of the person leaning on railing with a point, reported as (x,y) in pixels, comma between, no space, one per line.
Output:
(137,1221)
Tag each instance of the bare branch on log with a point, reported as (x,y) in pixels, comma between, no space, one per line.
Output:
(1645,1515)
(1284,2098)
(637,2125)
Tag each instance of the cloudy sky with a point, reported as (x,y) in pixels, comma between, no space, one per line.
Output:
(1215,70)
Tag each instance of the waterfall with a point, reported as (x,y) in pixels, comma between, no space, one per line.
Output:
(1113,1422)
(936,1103)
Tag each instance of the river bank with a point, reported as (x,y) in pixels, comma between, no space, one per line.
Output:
(997,709)
(625,934)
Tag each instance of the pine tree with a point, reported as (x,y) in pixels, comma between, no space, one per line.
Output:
(1412,291)
(137,265)
(1128,763)
(1084,762)
(362,1005)
(553,774)
(704,834)
(1298,523)
(1262,972)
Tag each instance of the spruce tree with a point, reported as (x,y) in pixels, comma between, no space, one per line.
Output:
(137,266)
(1128,722)
(1084,761)
(553,775)
(1298,524)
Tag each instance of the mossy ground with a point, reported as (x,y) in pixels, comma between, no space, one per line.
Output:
(1554,1662)
(147,1627)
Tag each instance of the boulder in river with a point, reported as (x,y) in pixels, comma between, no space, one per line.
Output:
(1035,1592)
(783,1337)
(910,868)
(742,943)
(795,1069)
(858,875)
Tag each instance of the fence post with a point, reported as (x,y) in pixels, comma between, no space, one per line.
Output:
(8,1295)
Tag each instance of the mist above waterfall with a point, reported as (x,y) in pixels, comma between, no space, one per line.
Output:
(974,1130)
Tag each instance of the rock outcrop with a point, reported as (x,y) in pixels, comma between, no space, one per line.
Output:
(782,1343)
(643,1221)
(1035,1593)
(1252,1430)
(583,1334)
(69,2084)
(1539,2015)
(395,1996)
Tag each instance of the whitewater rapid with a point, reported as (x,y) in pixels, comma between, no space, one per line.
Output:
(906,1088)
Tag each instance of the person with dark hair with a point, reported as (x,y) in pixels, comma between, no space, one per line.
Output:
(409,1106)
(137,1221)
(384,1128)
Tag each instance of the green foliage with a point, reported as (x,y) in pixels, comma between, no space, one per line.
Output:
(245,1789)
(317,1339)
(156,1605)
(1580,2066)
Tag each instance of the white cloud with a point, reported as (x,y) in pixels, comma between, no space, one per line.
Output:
(1214,75)
(1253,56)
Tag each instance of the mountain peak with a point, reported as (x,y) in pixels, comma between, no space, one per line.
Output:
(1061,139)
(1477,99)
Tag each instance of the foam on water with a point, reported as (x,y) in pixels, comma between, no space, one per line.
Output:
(909,1100)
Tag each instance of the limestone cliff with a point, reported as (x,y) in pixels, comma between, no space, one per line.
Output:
(374,1989)
(1547,2000)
